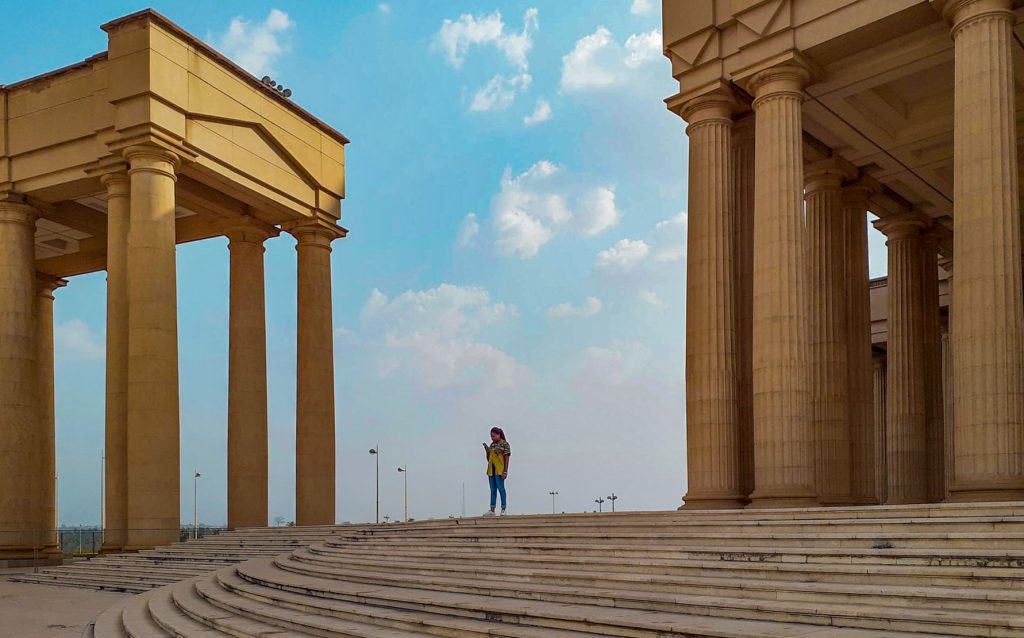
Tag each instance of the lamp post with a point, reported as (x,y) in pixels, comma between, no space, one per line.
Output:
(375,452)
(553,495)
(613,498)
(405,475)
(195,505)
(600,502)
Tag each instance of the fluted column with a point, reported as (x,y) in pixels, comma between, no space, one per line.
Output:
(948,428)
(879,406)
(247,376)
(45,286)
(118,186)
(827,334)
(783,445)
(743,286)
(712,425)
(931,341)
(314,419)
(988,317)
(863,432)
(20,512)
(152,389)
(906,402)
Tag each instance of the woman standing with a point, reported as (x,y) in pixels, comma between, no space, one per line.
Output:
(497,453)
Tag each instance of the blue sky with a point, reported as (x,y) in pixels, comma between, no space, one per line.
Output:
(516,201)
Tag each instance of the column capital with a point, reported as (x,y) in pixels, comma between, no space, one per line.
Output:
(960,13)
(716,106)
(46,284)
(117,183)
(317,232)
(827,174)
(903,226)
(859,192)
(151,158)
(787,78)
(246,229)
(13,210)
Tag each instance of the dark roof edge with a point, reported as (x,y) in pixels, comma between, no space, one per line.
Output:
(102,55)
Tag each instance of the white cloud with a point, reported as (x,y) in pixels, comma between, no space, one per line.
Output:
(669,239)
(384,7)
(499,93)
(457,36)
(624,255)
(468,231)
(598,61)
(75,338)
(542,113)
(616,364)
(534,206)
(642,7)
(643,48)
(256,46)
(652,298)
(590,307)
(435,337)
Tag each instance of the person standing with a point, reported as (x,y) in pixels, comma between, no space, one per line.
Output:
(497,453)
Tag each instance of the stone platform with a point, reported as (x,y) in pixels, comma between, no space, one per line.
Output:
(950,570)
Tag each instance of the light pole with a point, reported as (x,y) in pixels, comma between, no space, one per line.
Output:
(405,475)
(375,452)
(600,502)
(553,495)
(613,498)
(195,505)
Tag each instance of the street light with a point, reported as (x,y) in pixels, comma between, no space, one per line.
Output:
(375,452)
(613,498)
(553,495)
(405,475)
(195,505)
(600,502)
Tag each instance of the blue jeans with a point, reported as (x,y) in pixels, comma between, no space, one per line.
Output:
(497,487)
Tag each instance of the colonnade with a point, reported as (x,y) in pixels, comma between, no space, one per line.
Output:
(779,370)
(142,420)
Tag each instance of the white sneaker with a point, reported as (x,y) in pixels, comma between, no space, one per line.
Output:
(502,512)
(489,513)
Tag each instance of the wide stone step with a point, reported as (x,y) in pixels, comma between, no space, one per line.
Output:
(976,557)
(994,578)
(639,589)
(137,621)
(164,612)
(85,582)
(587,613)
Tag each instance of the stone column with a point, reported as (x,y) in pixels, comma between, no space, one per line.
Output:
(743,286)
(118,188)
(931,341)
(314,418)
(247,376)
(45,286)
(948,428)
(152,408)
(879,405)
(906,401)
(988,318)
(827,334)
(863,434)
(783,446)
(22,471)
(712,425)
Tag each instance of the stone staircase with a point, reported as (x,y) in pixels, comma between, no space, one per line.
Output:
(145,570)
(947,570)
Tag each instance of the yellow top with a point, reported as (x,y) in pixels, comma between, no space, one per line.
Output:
(496,458)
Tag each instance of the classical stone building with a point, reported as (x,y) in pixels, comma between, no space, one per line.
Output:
(803,115)
(108,164)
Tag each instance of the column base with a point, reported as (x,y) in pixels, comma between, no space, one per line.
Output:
(835,501)
(765,499)
(865,500)
(712,504)
(958,494)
